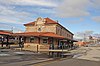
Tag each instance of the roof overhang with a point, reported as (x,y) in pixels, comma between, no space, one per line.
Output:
(39,34)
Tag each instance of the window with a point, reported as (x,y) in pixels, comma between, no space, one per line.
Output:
(51,40)
(45,40)
(32,39)
(39,29)
(67,35)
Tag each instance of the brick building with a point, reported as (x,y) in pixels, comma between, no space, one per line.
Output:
(44,34)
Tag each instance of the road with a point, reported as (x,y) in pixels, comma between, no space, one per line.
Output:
(73,62)
(92,54)
(90,58)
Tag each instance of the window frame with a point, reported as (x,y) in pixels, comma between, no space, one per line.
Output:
(45,38)
(32,39)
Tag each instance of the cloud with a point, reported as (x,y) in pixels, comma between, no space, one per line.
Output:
(46,11)
(29,2)
(5,10)
(75,21)
(8,14)
(96,18)
(96,4)
(61,8)
(73,8)
(4,26)
(77,8)
(9,20)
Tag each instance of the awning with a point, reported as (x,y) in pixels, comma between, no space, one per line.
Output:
(66,39)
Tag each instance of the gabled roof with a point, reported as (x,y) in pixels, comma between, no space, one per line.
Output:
(30,23)
(50,21)
(38,34)
(47,21)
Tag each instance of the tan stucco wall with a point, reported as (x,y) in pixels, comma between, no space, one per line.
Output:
(36,47)
(44,28)
(61,31)
(28,39)
(30,46)
(31,28)
(49,28)
(39,47)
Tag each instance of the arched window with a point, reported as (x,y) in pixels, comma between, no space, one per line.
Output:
(39,29)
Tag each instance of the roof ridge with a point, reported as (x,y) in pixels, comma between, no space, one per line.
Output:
(50,20)
(30,23)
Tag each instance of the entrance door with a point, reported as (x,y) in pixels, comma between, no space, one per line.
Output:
(60,45)
(51,42)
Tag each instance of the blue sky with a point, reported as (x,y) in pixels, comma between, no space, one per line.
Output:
(75,15)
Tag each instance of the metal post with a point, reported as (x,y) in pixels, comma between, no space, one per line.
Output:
(62,50)
(37,49)
(7,41)
(20,42)
(59,44)
(2,41)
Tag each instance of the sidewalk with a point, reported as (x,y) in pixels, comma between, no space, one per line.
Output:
(92,53)
(10,57)
(25,63)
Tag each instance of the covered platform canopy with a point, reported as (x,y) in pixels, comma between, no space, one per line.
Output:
(4,35)
(39,34)
(2,32)
(66,39)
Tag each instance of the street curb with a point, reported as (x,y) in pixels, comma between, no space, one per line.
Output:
(41,61)
(52,59)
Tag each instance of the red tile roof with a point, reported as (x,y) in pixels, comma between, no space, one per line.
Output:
(30,23)
(5,32)
(50,34)
(44,34)
(48,21)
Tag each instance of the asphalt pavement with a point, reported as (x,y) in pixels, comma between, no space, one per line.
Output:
(10,57)
(73,62)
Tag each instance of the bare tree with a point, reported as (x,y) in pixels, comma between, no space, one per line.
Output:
(83,35)
(96,35)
